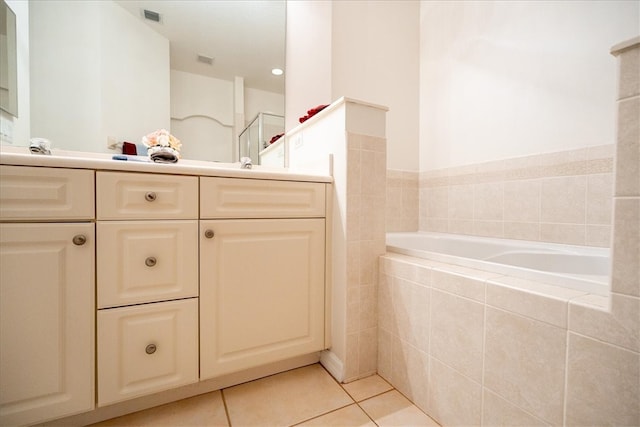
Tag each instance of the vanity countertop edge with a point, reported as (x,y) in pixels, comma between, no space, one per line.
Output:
(19,156)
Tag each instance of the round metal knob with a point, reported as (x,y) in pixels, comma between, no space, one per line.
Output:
(151,261)
(79,239)
(209,234)
(150,196)
(150,349)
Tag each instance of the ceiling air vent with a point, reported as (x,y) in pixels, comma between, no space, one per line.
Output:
(205,59)
(151,15)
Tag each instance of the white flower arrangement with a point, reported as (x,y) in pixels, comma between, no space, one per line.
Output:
(161,138)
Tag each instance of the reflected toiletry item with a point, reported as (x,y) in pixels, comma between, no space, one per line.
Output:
(131,158)
(245,163)
(40,146)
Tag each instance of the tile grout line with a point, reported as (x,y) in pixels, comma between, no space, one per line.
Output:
(226,409)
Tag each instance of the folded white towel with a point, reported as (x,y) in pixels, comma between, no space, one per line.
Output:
(161,154)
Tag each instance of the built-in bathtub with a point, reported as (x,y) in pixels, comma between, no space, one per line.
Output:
(581,268)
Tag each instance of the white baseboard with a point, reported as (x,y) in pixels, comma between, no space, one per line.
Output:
(333,364)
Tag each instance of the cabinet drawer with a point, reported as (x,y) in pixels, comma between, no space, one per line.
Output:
(146,261)
(146,196)
(31,193)
(147,348)
(252,198)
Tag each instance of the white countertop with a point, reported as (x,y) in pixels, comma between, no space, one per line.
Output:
(20,156)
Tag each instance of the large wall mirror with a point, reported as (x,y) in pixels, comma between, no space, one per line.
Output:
(104,72)
(8,61)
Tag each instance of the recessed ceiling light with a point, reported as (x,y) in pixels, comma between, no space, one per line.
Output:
(277,72)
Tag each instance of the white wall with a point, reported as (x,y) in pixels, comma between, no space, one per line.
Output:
(365,50)
(80,94)
(507,79)
(375,58)
(308,58)
(260,101)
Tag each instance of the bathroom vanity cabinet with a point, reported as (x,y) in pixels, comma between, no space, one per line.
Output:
(262,249)
(47,310)
(163,280)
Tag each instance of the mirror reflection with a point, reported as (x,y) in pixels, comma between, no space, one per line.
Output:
(102,73)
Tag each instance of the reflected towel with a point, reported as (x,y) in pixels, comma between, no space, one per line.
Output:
(160,154)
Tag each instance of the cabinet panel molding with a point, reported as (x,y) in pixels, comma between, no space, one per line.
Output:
(146,196)
(31,193)
(252,198)
(146,261)
(146,348)
(261,292)
(46,321)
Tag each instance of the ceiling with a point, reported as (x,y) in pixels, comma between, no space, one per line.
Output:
(245,37)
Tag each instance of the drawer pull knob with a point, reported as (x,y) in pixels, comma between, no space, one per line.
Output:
(151,261)
(209,234)
(79,239)
(150,196)
(150,349)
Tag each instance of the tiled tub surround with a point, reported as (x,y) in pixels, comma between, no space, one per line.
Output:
(476,348)
(562,197)
(402,200)
(471,347)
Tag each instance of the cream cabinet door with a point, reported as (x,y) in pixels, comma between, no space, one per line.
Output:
(261,292)
(146,348)
(46,321)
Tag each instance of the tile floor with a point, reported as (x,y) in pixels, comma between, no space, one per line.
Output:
(306,396)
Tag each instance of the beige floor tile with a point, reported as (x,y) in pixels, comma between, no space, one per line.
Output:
(393,409)
(367,387)
(206,410)
(351,416)
(285,399)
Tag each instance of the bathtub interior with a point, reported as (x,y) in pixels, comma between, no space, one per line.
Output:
(574,267)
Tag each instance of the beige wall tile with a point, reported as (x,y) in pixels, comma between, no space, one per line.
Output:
(522,230)
(628,148)
(385,303)
(434,224)
(354,172)
(628,81)
(525,363)
(367,352)
(522,201)
(460,202)
(570,234)
(500,413)
(410,372)
(385,351)
(626,247)
(437,200)
(457,333)
(488,201)
(461,281)
(352,358)
(563,200)
(618,325)
(411,309)
(454,400)
(603,384)
(598,235)
(488,228)
(538,301)
(599,199)
(460,226)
